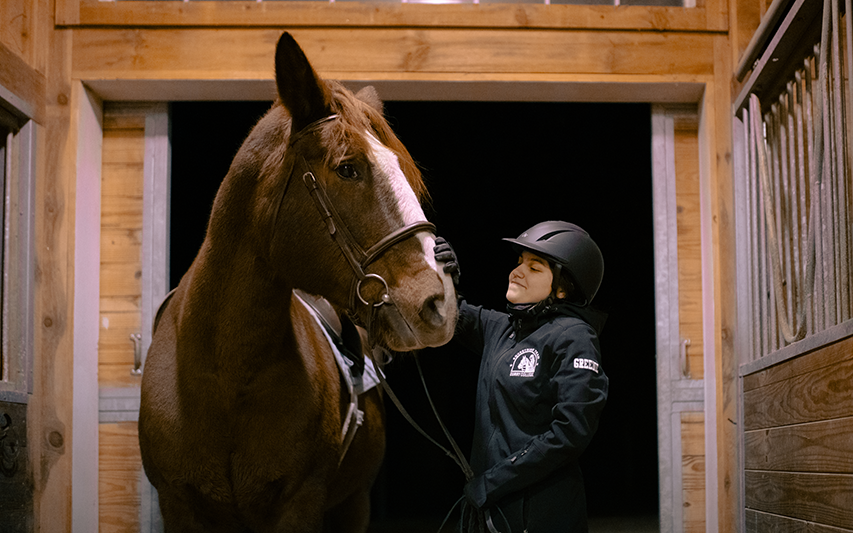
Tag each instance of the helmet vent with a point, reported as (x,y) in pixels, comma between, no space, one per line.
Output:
(548,236)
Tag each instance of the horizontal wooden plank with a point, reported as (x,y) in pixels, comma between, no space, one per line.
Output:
(121,245)
(816,447)
(121,279)
(119,446)
(122,213)
(123,121)
(820,358)
(822,498)
(123,146)
(358,14)
(117,375)
(228,54)
(822,394)
(122,304)
(120,467)
(116,356)
(693,433)
(758,522)
(116,329)
(122,180)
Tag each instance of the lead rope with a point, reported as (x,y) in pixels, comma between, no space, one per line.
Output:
(458,458)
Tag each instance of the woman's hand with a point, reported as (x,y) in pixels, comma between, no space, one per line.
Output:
(444,253)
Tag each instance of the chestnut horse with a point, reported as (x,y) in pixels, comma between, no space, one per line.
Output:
(240,426)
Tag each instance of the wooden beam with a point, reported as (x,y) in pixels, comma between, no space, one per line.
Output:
(241,54)
(365,15)
(24,83)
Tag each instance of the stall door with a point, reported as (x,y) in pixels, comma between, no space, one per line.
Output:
(133,281)
(678,291)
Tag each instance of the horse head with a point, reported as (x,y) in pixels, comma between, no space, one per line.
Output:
(337,207)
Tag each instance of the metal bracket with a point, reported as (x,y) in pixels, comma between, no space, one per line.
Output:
(137,354)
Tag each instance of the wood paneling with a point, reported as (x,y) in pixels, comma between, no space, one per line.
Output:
(821,394)
(121,243)
(365,14)
(693,470)
(818,359)
(825,446)
(688,223)
(119,465)
(822,498)
(798,442)
(245,54)
(758,522)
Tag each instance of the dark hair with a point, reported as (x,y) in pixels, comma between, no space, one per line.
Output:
(564,282)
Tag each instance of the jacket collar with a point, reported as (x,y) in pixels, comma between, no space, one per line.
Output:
(527,318)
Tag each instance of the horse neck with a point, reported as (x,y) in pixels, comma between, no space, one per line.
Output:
(233,301)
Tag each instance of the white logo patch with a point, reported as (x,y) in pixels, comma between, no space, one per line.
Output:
(524,363)
(587,364)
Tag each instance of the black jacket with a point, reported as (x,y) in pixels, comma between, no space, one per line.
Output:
(540,392)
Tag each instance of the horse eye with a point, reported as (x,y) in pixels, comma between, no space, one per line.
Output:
(347,171)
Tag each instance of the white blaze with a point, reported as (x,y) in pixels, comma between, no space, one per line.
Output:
(407,202)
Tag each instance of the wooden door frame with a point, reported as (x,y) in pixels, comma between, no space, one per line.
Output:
(696,93)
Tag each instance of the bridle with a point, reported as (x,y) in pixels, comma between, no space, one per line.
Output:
(357,257)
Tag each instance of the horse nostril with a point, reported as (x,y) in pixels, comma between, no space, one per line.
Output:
(431,311)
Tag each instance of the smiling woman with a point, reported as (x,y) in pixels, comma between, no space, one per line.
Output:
(530,281)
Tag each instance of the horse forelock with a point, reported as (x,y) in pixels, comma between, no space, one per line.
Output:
(358,117)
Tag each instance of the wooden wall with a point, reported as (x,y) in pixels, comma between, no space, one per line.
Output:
(34,69)
(48,48)
(690,314)
(798,443)
(119,462)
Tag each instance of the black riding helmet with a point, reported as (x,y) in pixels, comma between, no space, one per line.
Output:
(571,250)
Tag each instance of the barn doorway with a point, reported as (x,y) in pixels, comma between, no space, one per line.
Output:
(493,169)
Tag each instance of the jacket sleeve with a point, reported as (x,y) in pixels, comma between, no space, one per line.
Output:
(472,326)
(581,388)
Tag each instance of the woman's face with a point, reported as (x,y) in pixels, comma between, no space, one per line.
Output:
(530,281)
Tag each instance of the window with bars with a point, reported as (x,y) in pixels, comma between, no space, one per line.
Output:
(796,189)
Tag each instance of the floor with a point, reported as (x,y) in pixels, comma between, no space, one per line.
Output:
(617,524)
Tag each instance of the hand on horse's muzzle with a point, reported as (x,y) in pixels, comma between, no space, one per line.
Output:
(444,253)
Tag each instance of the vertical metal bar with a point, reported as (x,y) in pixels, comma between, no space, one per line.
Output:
(848,181)
(802,150)
(784,157)
(814,188)
(774,156)
(826,220)
(752,241)
(840,242)
(766,324)
(793,219)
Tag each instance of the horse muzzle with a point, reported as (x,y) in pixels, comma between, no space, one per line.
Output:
(422,313)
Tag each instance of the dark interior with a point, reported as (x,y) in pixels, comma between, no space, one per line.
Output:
(493,169)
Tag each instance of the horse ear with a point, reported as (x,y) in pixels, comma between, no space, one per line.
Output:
(369,96)
(300,89)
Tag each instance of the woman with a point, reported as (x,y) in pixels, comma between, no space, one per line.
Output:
(541,386)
